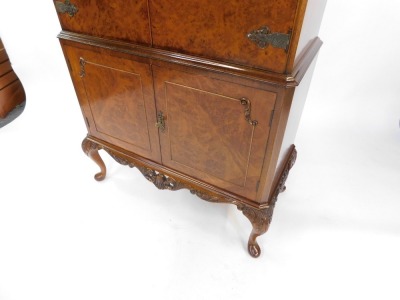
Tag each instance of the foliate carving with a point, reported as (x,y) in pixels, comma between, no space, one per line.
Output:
(285,174)
(263,37)
(66,8)
(247,111)
(210,197)
(166,182)
(161,181)
(260,220)
(119,159)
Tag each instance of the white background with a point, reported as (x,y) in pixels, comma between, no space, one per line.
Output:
(335,232)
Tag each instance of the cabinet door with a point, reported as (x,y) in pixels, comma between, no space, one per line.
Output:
(215,131)
(123,20)
(116,96)
(219,29)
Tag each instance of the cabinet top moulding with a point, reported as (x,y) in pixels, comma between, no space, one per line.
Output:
(286,80)
(268,35)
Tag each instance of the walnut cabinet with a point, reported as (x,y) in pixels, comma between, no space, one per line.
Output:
(202,95)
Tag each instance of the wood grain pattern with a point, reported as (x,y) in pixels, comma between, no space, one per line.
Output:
(11,90)
(3,55)
(117,98)
(190,68)
(218,30)
(160,55)
(111,93)
(11,96)
(7,79)
(123,20)
(5,67)
(207,134)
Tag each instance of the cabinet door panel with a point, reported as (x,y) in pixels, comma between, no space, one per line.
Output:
(218,29)
(207,135)
(117,99)
(109,19)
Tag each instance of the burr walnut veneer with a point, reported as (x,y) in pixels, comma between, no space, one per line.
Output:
(202,95)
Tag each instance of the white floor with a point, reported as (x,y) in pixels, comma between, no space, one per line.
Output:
(335,232)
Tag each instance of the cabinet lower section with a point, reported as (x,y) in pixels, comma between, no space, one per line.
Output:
(164,179)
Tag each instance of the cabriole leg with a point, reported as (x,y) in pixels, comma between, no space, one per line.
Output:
(91,149)
(260,219)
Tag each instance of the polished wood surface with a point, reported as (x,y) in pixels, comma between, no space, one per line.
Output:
(218,30)
(240,71)
(92,150)
(213,29)
(12,93)
(117,97)
(207,134)
(124,20)
(188,99)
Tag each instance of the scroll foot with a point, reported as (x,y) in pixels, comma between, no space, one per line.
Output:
(260,219)
(91,149)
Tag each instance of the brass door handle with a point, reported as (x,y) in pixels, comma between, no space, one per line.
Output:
(66,7)
(160,121)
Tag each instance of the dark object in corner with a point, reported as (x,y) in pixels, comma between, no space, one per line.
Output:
(12,94)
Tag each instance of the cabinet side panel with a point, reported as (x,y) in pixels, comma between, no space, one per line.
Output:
(282,109)
(311,25)
(296,110)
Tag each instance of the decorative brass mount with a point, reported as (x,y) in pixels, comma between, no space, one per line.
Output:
(160,121)
(66,7)
(263,37)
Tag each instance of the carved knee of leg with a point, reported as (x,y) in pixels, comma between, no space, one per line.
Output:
(260,220)
(91,149)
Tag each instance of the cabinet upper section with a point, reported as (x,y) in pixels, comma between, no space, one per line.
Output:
(126,20)
(263,34)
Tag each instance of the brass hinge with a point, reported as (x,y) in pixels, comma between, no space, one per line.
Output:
(271,118)
(66,8)
(263,37)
